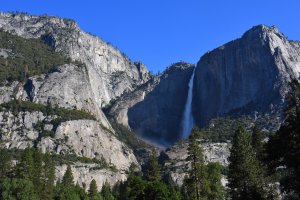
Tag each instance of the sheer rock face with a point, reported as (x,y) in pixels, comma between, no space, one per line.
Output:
(154,110)
(110,72)
(251,71)
(106,74)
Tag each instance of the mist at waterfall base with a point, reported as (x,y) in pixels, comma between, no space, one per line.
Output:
(188,119)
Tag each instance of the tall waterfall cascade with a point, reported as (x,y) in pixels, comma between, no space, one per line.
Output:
(188,119)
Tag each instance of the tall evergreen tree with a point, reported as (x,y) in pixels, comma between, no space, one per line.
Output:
(106,192)
(66,189)
(48,178)
(153,168)
(133,188)
(246,178)
(214,190)
(25,167)
(195,182)
(68,179)
(5,164)
(258,143)
(37,171)
(156,190)
(93,191)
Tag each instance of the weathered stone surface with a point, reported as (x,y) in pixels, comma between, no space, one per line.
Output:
(67,86)
(154,110)
(252,72)
(84,138)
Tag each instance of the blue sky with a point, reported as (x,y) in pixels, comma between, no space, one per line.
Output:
(161,32)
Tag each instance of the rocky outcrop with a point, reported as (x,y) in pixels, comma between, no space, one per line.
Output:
(109,71)
(176,166)
(248,74)
(84,174)
(154,110)
(82,138)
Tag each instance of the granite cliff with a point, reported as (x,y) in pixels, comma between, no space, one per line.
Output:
(247,75)
(94,74)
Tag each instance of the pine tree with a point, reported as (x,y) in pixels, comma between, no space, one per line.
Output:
(25,167)
(93,190)
(133,188)
(37,171)
(68,179)
(258,143)
(215,190)
(153,168)
(195,182)
(106,192)
(246,179)
(5,164)
(48,178)
(156,190)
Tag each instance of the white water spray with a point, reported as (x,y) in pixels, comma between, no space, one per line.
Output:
(188,119)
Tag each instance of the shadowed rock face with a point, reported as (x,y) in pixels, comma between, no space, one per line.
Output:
(251,71)
(154,111)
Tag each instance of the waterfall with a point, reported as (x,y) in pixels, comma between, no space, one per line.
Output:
(188,120)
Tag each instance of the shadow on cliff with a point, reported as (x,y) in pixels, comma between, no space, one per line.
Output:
(158,117)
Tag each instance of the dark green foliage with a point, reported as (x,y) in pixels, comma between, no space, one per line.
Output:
(34,169)
(62,113)
(153,168)
(258,143)
(196,178)
(222,129)
(24,168)
(17,189)
(68,193)
(246,176)
(214,189)
(67,179)
(5,163)
(133,188)
(106,192)
(48,178)
(157,190)
(28,57)
(284,147)
(93,191)
(37,177)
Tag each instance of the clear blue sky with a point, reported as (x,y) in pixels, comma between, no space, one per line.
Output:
(161,32)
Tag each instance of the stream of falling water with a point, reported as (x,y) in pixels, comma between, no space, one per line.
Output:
(188,119)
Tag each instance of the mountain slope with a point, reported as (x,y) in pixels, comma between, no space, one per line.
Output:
(56,104)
